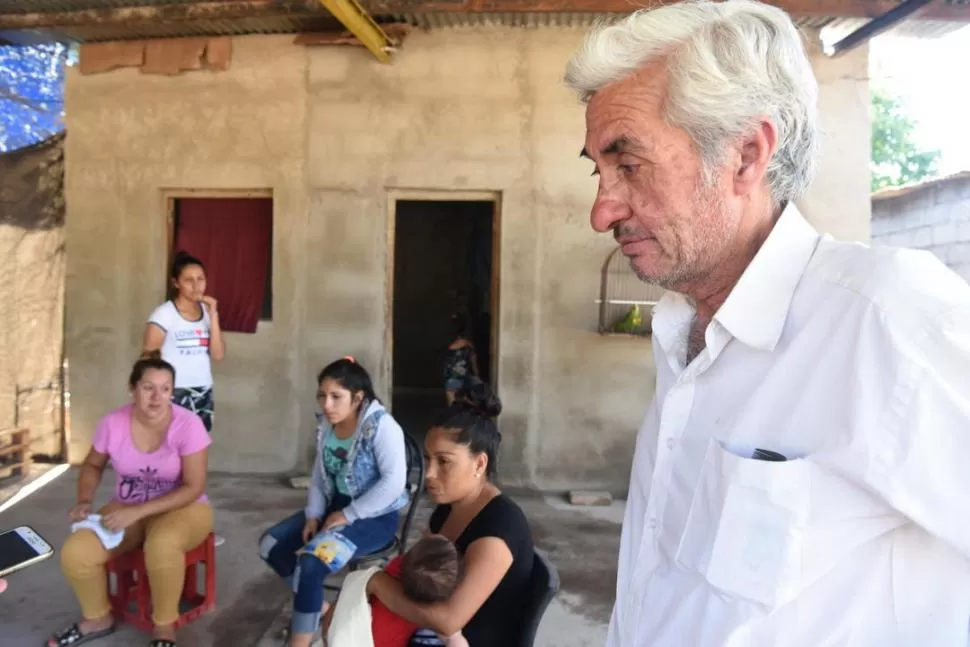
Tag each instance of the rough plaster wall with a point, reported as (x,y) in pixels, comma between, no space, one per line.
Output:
(935,218)
(32,265)
(131,136)
(838,201)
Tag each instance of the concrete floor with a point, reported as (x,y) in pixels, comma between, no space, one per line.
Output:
(252,602)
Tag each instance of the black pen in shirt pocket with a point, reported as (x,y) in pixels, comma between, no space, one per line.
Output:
(768,455)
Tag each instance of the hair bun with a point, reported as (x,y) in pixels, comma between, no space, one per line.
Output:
(480,397)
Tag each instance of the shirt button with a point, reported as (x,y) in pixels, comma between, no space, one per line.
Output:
(670,443)
(652,523)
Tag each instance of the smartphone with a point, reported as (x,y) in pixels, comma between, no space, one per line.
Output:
(21,547)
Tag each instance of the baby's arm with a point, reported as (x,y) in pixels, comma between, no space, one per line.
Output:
(455,640)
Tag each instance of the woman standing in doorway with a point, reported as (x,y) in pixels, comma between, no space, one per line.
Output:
(461,361)
(187,332)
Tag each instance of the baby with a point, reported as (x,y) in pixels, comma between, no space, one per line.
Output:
(428,573)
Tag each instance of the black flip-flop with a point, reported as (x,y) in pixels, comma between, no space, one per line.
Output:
(72,636)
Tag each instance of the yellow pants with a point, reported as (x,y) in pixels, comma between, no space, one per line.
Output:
(165,538)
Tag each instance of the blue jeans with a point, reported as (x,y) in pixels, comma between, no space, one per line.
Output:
(306,572)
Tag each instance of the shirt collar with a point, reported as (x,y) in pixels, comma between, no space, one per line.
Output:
(756,309)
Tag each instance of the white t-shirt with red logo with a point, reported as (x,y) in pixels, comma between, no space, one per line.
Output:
(186,345)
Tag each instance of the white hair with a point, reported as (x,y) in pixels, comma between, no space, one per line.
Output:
(729,65)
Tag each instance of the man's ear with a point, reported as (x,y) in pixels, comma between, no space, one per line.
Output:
(754,156)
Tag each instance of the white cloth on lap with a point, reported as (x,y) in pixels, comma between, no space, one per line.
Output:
(350,625)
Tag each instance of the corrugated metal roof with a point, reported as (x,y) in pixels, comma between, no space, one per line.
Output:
(314,17)
(238,27)
(446,20)
(914,28)
(919,187)
(837,26)
(51,6)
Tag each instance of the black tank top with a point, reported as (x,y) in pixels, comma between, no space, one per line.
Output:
(498,623)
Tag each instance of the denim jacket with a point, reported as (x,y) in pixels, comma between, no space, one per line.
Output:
(377,478)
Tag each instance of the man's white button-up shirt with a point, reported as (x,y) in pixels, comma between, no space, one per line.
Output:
(854,364)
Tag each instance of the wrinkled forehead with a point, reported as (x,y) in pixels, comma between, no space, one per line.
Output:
(628,110)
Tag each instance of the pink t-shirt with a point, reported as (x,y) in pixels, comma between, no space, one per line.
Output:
(141,476)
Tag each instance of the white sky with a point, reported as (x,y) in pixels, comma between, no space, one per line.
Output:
(932,76)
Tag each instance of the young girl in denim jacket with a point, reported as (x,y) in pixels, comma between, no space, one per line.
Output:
(356,492)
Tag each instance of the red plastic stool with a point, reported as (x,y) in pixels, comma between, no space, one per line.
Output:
(131,599)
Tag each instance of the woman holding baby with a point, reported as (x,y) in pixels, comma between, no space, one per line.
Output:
(488,529)
(159,452)
(356,491)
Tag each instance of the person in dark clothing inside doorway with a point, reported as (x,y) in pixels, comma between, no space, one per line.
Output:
(461,361)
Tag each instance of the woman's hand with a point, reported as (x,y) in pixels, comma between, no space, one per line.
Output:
(211,304)
(79,511)
(335,520)
(121,518)
(310,528)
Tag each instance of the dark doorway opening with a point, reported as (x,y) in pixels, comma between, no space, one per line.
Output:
(443,264)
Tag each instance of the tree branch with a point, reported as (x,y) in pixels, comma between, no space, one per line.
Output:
(7,94)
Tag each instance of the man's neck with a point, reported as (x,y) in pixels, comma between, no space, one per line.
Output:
(709,294)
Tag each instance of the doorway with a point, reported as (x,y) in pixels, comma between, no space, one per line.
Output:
(444,262)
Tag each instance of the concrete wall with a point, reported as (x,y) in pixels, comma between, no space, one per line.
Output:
(133,136)
(338,136)
(32,264)
(838,202)
(934,217)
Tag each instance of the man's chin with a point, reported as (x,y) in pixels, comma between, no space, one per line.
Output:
(647,271)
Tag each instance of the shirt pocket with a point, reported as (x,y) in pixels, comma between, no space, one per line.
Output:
(746,526)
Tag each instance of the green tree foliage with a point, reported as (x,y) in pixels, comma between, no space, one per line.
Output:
(896,158)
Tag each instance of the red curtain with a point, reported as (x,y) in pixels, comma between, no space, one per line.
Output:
(233,237)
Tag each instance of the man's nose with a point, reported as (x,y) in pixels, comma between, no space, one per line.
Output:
(607,213)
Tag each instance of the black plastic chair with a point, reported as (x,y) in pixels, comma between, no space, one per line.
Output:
(415,485)
(544,587)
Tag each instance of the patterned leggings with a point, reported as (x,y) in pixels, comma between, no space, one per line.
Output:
(197,399)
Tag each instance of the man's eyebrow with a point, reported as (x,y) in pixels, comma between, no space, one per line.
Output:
(620,145)
(615,147)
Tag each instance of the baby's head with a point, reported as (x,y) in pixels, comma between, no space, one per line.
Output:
(431,570)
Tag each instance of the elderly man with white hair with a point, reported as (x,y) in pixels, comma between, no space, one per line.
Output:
(802,478)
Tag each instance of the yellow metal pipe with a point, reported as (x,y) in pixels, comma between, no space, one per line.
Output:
(356,19)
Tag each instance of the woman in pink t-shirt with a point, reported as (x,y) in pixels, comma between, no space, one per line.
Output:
(159,452)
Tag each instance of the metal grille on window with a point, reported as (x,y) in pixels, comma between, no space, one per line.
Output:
(626,302)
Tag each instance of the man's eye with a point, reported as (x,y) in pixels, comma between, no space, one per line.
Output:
(627,168)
